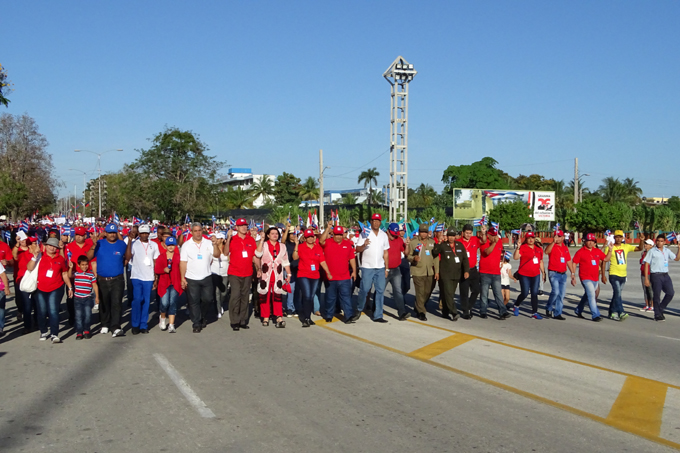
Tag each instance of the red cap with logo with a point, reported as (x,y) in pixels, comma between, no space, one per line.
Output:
(590,237)
(559,233)
(338,230)
(376,216)
(492,232)
(529,234)
(240,222)
(309,233)
(81,231)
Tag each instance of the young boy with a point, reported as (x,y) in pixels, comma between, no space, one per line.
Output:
(506,275)
(85,284)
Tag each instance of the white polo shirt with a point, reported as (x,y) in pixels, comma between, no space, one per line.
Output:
(143,256)
(372,256)
(198,257)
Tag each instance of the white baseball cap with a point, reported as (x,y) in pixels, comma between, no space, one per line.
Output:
(649,242)
(144,229)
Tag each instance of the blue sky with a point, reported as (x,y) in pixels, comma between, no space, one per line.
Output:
(266,84)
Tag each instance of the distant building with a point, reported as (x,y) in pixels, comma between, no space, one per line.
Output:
(243,178)
(334,197)
(651,201)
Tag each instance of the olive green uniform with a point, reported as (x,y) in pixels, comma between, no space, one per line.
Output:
(453,264)
(423,271)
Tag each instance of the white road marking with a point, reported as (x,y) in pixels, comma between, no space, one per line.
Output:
(670,338)
(183,387)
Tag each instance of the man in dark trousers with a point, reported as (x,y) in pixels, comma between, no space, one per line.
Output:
(453,267)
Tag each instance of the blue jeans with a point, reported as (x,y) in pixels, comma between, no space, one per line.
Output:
(616,305)
(369,277)
(30,304)
(169,301)
(529,284)
(139,314)
(308,287)
(494,281)
(589,296)
(405,269)
(83,310)
(3,299)
(558,283)
(317,297)
(339,289)
(395,279)
(48,305)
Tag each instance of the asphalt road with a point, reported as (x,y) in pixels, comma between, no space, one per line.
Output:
(481,385)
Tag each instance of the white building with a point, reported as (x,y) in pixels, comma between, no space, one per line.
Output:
(244,178)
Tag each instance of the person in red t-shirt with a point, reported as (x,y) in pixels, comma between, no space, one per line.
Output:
(311,258)
(52,275)
(72,251)
(340,257)
(559,262)
(399,247)
(241,251)
(588,259)
(469,287)
(491,253)
(531,267)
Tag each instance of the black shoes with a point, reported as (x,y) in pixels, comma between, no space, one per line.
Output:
(598,319)
(422,317)
(234,327)
(196,330)
(380,320)
(455,317)
(135,331)
(328,319)
(560,318)
(355,317)
(87,336)
(404,317)
(505,316)
(144,331)
(305,323)
(350,320)
(549,313)
(466,315)
(245,326)
(483,315)
(446,316)
(204,324)
(659,318)
(311,323)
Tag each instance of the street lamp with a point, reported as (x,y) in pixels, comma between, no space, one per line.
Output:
(99,164)
(581,189)
(84,175)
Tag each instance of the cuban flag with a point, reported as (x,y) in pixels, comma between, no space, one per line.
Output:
(495,225)
(187,219)
(301,221)
(637,225)
(608,233)
(186,233)
(432,220)
(116,218)
(671,236)
(556,227)
(65,230)
(309,219)
(87,205)
(136,220)
(508,256)
(365,230)
(517,232)
(288,219)
(439,227)
(232,221)
(24,226)
(315,220)
(251,225)
(214,221)
(8,236)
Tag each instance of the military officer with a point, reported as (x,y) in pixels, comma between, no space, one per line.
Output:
(424,268)
(453,267)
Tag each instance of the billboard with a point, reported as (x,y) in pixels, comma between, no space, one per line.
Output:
(469,204)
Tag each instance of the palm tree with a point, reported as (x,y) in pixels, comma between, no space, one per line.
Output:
(379,197)
(349,198)
(632,191)
(239,198)
(309,190)
(264,188)
(369,177)
(611,190)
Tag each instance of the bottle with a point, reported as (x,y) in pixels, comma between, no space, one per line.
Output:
(170,263)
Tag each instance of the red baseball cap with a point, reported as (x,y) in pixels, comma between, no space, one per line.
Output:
(240,222)
(492,232)
(81,231)
(309,233)
(530,234)
(376,216)
(590,237)
(559,233)
(338,230)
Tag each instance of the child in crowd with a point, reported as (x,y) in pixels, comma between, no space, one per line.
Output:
(506,275)
(84,296)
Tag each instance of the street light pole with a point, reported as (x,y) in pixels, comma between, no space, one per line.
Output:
(99,165)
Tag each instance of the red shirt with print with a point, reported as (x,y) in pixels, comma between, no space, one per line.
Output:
(491,264)
(530,260)
(241,253)
(558,258)
(77,251)
(471,248)
(49,272)
(397,246)
(337,258)
(310,260)
(589,263)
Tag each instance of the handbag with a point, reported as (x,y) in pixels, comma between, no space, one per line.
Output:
(29,282)
(286,287)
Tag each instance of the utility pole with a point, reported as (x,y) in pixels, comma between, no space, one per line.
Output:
(576,193)
(321,169)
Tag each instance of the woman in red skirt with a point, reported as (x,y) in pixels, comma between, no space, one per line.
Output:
(273,258)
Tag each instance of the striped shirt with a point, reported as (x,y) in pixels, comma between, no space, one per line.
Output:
(83,283)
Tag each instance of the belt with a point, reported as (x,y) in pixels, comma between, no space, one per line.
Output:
(109,278)
(550,270)
(658,272)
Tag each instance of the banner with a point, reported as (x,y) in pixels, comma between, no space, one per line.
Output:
(544,206)
(470,204)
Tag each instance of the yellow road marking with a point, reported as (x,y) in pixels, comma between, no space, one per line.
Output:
(323,321)
(440,347)
(639,406)
(645,432)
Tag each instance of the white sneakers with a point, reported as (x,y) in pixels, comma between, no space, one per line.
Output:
(162,323)
(220,312)
(171,328)
(44,336)
(55,339)
(104,330)
(118,333)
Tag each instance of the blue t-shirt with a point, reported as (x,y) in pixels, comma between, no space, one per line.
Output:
(110,257)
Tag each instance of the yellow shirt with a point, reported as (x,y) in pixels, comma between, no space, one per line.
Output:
(618,265)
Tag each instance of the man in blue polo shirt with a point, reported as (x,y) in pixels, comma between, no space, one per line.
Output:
(656,275)
(110,255)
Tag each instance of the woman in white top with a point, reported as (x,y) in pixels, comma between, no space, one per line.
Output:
(219,268)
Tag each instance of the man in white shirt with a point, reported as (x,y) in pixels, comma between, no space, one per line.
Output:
(142,253)
(195,259)
(374,255)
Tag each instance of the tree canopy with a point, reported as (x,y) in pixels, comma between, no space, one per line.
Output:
(478,175)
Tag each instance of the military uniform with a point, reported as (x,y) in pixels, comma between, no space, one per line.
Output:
(453,264)
(422,271)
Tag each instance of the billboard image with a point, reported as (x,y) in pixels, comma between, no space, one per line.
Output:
(471,204)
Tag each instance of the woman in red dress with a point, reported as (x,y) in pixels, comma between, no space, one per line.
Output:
(273,260)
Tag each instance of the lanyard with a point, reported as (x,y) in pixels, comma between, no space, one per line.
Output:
(145,248)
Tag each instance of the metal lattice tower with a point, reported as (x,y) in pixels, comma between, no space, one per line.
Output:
(399,74)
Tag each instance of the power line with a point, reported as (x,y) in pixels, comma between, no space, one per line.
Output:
(359,167)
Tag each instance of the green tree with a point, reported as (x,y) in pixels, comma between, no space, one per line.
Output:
(4,87)
(263,188)
(596,215)
(664,219)
(178,175)
(510,215)
(369,178)
(239,198)
(309,190)
(478,175)
(349,199)
(287,189)
(533,182)
(632,191)
(423,196)
(674,204)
